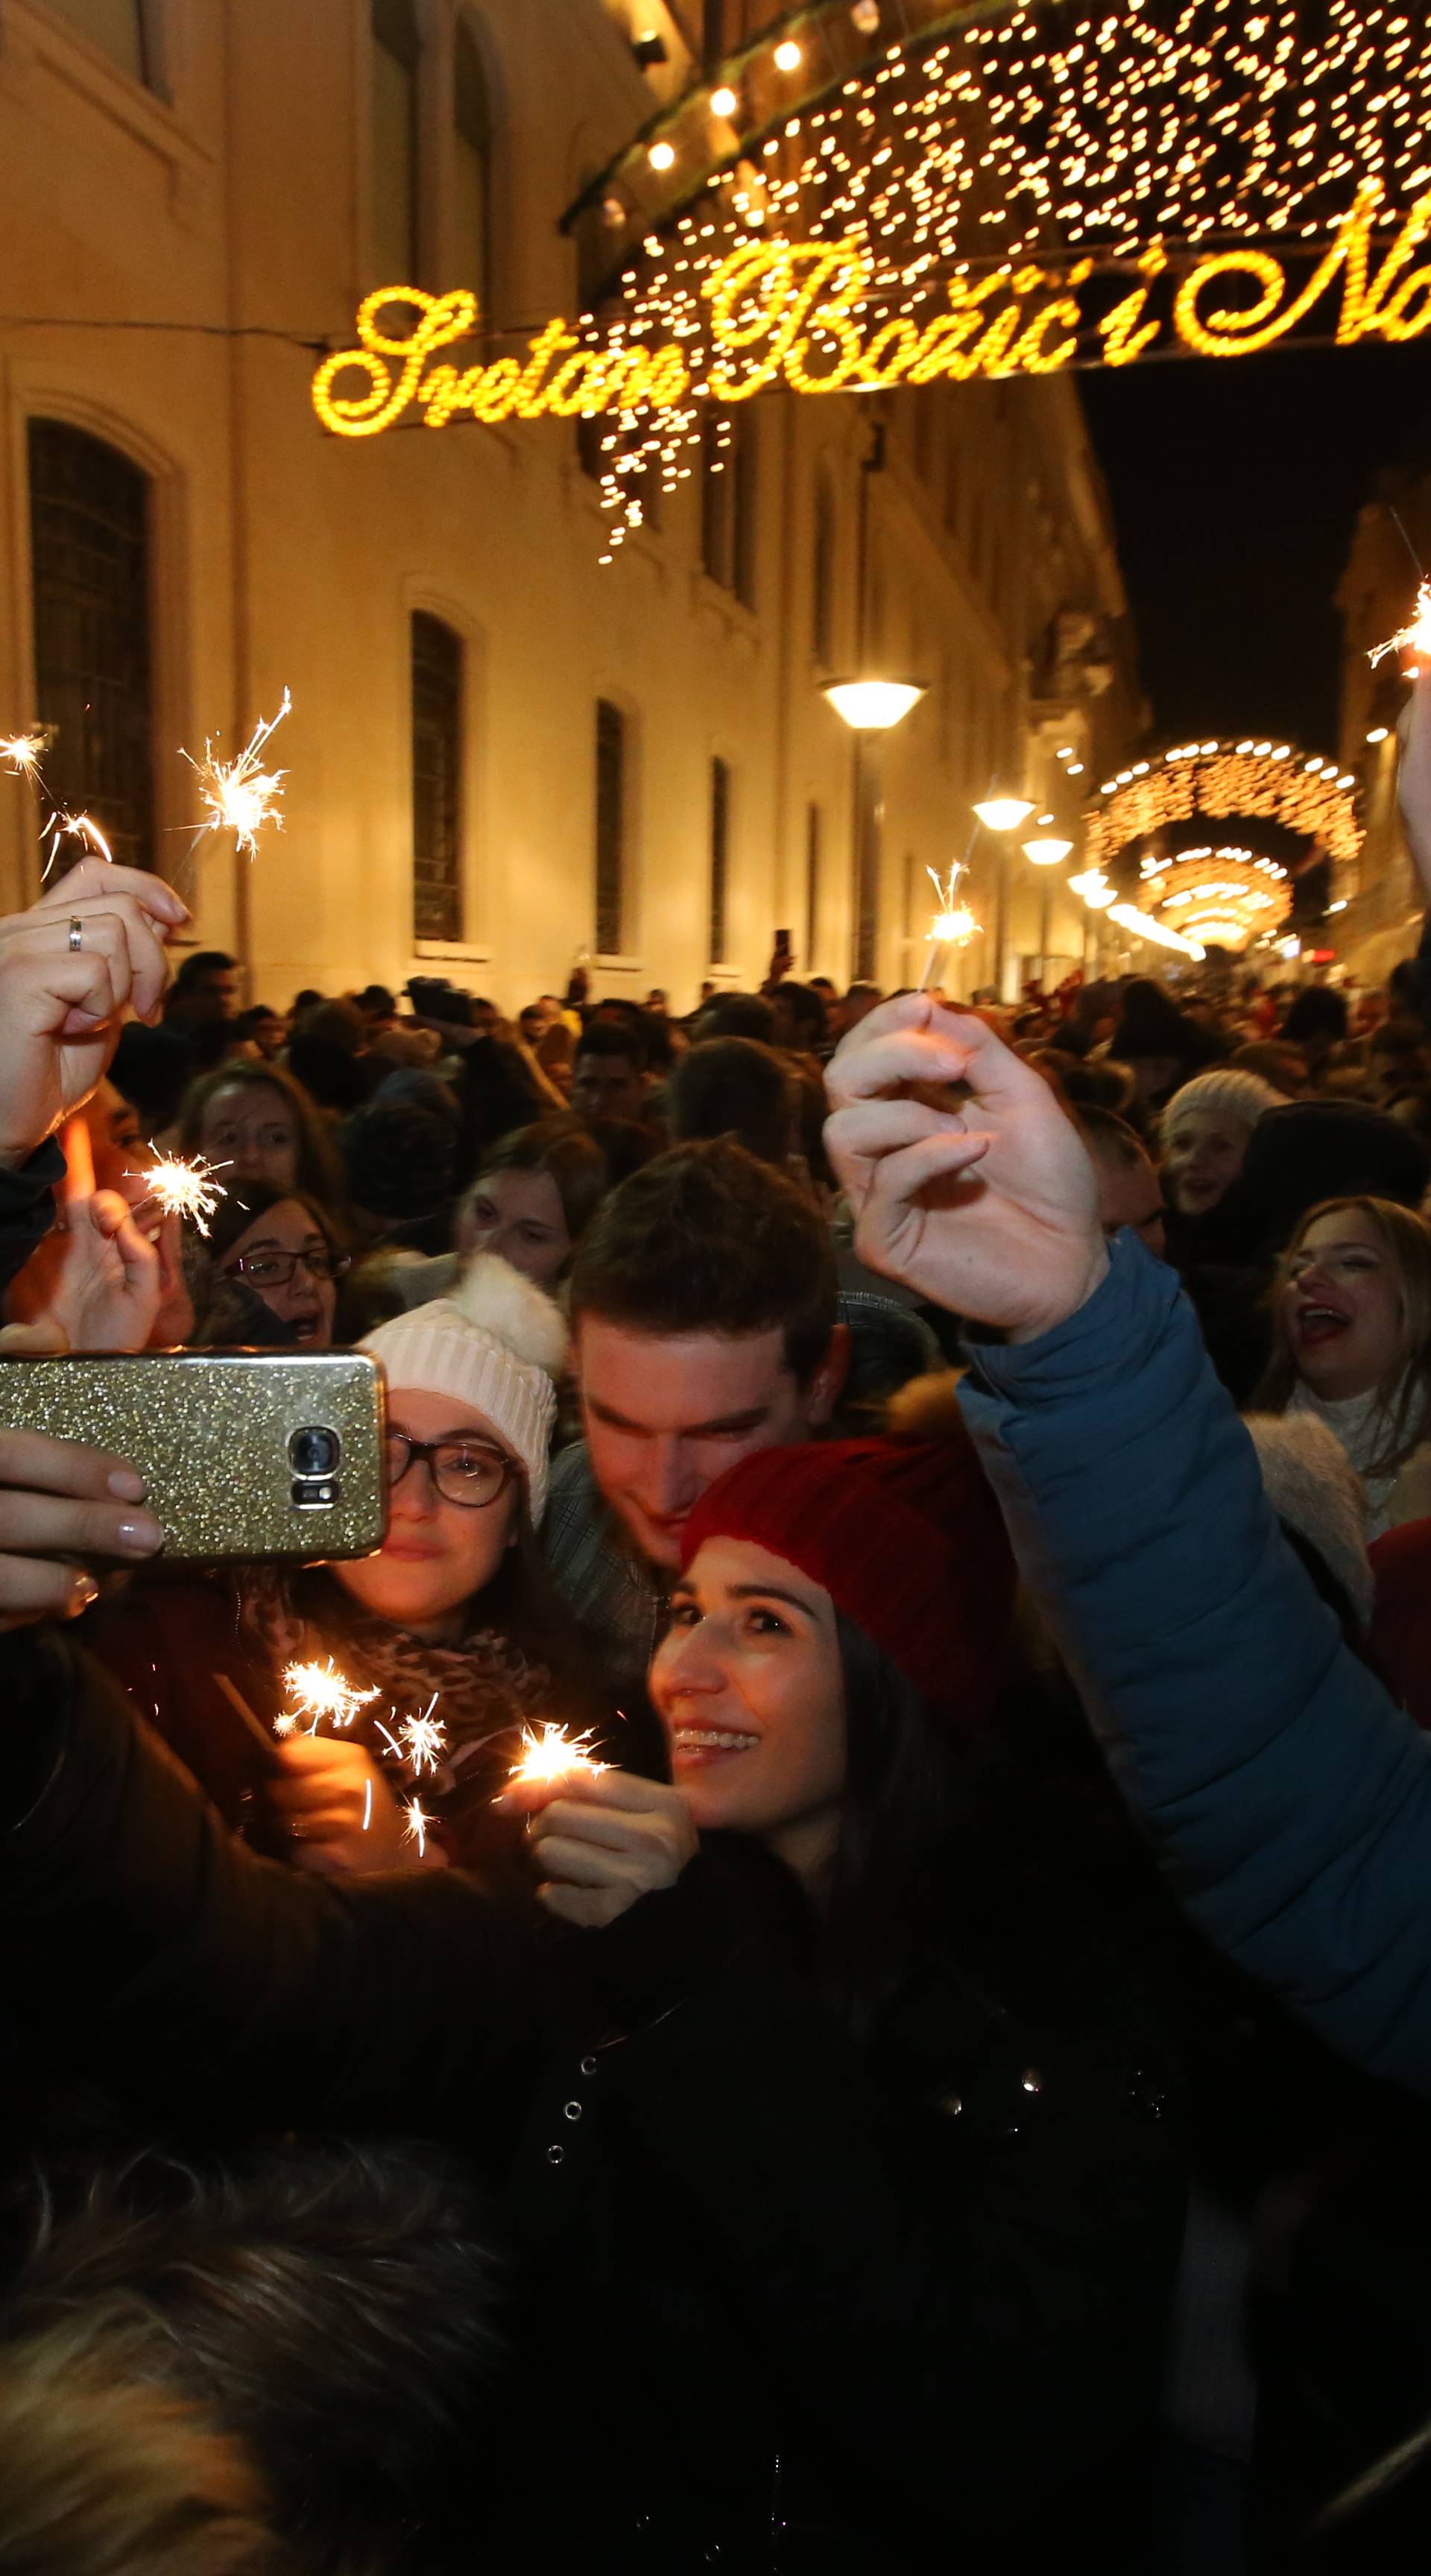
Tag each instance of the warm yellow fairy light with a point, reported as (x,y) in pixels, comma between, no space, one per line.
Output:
(1254,778)
(1130,918)
(662,156)
(239,795)
(551,1754)
(788,56)
(184,1186)
(724,101)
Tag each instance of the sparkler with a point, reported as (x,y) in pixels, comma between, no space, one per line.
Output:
(80,828)
(240,796)
(953,924)
(552,1754)
(1416,635)
(184,1186)
(417,1825)
(423,1739)
(319,1691)
(20,752)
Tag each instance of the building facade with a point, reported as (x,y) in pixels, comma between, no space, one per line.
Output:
(1382,897)
(502,752)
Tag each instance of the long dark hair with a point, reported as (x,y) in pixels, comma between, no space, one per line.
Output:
(1002,1848)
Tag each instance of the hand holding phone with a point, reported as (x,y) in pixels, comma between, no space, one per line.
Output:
(64,1507)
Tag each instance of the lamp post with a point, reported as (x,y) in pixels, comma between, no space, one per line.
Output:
(871,703)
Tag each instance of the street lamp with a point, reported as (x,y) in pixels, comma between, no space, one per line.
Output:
(873,706)
(1001,812)
(1047,854)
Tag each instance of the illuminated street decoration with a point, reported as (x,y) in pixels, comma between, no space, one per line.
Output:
(1220,897)
(1273,780)
(872,196)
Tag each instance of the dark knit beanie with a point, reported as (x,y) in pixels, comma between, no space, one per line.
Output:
(904,1535)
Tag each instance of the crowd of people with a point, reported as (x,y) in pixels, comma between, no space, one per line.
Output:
(938,2071)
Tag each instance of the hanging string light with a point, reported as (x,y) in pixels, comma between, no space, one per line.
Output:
(1309,795)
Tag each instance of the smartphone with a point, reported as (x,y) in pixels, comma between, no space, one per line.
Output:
(245,1453)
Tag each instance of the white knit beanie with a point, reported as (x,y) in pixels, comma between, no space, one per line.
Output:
(496,1343)
(1228,1093)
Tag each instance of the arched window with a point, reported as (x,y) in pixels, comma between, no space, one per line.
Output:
(728,502)
(436,779)
(396,63)
(89,549)
(610,850)
(720,858)
(118,28)
(471,167)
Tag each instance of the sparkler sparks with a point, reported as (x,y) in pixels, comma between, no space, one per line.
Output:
(20,752)
(423,1740)
(240,796)
(1416,635)
(953,924)
(80,828)
(184,1186)
(319,1691)
(550,1755)
(417,1827)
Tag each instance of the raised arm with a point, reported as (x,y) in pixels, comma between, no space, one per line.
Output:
(1292,1799)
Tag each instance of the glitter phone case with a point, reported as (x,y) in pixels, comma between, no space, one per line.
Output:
(245,1453)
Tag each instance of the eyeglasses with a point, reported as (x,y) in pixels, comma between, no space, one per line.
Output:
(463,1471)
(278,1269)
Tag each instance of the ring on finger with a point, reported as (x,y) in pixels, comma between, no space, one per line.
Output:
(76,939)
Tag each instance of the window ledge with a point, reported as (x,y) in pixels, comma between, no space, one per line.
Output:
(34,35)
(621,965)
(709,593)
(457,951)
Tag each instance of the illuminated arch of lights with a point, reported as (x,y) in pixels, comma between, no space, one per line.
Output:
(1224,896)
(1273,780)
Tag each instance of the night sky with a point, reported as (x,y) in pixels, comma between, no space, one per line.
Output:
(1235,486)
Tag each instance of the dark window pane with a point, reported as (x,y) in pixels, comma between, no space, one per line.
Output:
(116,26)
(822,580)
(396,55)
(89,540)
(728,503)
(720,857)
(610,826)
(436,779)
(471,175)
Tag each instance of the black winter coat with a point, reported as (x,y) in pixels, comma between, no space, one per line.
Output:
(778,2302)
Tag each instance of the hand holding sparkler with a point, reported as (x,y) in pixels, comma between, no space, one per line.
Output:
(336,1808)
(70,968)
(1415,636)
(183,1186)
(604,1840)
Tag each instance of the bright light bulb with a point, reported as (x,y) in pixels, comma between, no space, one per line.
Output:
(1047,854)
(724,102)
(1004,813)
(662,156)
(788,56)
(1377,734)
(872,706)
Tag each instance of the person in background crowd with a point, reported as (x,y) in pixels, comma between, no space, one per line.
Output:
(1129,1190)
(855,1006)
(1282,1067)
(577,997)
(456,1602)
(328,1054)
(734,1015)
(1317,1025)
(533,1200)
(704,1319)
(801,1019)
(400,1157)
(305,1000)
(735,1087)
(255,1123)
(267,1270)
(1163,1045)
(1205,1131)
(656,1002)
(378,1007)
(498,1087)
(205,989)
(610,1077)
(264,1030)
(1353,1346)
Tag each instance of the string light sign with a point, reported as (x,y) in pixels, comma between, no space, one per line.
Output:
(1216,896)
(897,193)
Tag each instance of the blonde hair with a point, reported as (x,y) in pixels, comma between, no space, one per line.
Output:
(1404,1392)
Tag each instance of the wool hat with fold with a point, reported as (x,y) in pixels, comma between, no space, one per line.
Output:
(495,1344)
(1229,1093)
(904,1535)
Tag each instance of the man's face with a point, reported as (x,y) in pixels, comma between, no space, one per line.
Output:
(608,1086)
(215,994)
(666,1414)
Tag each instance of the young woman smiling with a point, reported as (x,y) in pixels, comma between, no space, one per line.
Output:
(1353,1345)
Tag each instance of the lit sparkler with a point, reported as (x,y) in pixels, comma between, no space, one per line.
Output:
(1416,635)
(79,828)
(20,752)
(184,1186)
(423,1740)
(319,1691)
(417,1825)
(240,795)
(953,924)
(552,1754)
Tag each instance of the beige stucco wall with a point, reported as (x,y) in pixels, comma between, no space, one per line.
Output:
(285,557)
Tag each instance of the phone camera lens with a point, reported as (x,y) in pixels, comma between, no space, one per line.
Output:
(314,1451)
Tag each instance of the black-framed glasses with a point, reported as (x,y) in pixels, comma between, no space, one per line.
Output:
(278,1269)
(464,1471)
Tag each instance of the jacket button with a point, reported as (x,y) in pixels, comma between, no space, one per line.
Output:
(556,2155)
(952,2103)
(588,2066)
(1031,2080)
(1148,2093)
(572,2110)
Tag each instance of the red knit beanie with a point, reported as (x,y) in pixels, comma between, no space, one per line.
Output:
(904,1535)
